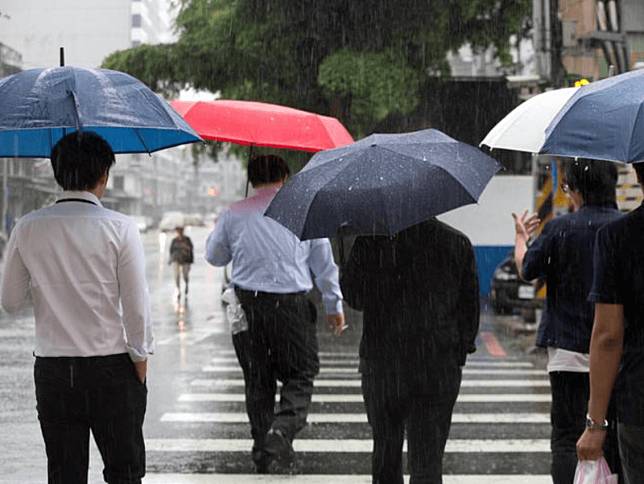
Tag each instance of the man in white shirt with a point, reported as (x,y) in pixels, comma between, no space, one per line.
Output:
(84,268)
(272,273)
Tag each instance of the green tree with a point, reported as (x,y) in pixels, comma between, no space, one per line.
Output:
(360,60)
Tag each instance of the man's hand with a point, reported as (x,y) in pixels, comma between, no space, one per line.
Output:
(590,445)
(525,225)
(141,368)
(336,323)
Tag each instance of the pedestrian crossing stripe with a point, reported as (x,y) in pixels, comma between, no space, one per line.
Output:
(354,355)
(334,478)
(357,398)
(347,445)
(322,383)
(354,371)
(354,363)
(316,418)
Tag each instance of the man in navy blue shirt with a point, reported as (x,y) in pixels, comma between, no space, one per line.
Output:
(562,256)
(617,345)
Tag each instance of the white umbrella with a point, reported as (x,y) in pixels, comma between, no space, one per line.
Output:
(524,128)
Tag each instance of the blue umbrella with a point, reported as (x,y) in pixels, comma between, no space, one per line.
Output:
(381,185)
(40,106)
(603,120)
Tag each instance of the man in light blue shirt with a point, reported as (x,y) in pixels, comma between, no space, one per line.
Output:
(272,273)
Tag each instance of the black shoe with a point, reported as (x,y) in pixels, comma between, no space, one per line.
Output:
(280,453)
(261,460)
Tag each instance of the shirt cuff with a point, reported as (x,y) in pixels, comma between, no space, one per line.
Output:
(595,297)
(333,306)
(139,354)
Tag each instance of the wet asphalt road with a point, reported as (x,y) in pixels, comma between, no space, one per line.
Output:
(196,430)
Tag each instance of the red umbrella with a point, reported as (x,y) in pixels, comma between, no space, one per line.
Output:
(260,124)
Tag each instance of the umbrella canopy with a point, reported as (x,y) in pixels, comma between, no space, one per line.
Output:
(261,124)
(381,185)
(604,120)
(40,106)
(524,128)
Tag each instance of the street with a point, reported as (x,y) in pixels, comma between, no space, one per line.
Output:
(196,427)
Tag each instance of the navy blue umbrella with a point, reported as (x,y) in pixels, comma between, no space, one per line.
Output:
(381,185)
(603,120)
(40,106)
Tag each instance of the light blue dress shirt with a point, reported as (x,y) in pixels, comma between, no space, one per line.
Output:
(267,257)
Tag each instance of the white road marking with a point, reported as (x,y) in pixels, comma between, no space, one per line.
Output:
(354,371)
(239,382)
(348,398)
(315,418)
(346,445)
(333,478)
(354,363)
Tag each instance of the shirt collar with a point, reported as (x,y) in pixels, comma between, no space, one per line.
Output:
(82,195)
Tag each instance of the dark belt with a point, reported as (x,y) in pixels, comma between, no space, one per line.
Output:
(267,295)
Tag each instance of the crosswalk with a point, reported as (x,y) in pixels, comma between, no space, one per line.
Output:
(500,427)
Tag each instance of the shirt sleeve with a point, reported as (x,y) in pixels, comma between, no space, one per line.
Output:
(15,277)
(135,298)
(537,258)
(325,272)
(218,249)
(606,270)
(469,313)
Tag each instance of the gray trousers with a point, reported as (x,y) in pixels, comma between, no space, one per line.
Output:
(280,344)
(631,451)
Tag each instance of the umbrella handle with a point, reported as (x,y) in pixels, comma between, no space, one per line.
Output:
(250,155)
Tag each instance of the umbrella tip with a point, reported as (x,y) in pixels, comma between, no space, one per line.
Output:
(62,57)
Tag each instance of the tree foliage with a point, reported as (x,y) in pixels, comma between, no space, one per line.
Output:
(359,60)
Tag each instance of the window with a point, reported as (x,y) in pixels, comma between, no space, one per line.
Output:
(119,182)
(136,20)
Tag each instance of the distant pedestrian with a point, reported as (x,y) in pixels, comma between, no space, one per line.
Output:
(83,268)
(617,344)
(420,297)
(181,257)
(562,257)
(272,271)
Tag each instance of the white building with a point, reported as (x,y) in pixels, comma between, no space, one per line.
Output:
(89,30)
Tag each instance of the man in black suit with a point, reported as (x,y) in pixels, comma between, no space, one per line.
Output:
(420,297)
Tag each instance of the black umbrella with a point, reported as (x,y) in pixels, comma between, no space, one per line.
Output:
(381,185)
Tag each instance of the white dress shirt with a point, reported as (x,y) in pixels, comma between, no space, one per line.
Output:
(268,257)
(85,270)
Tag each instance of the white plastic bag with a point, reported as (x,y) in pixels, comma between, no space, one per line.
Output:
(234,312)
(594,472)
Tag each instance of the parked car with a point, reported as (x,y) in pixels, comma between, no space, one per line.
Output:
(509,294)
(143,223)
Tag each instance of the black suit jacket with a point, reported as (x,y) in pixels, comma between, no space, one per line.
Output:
(420,296)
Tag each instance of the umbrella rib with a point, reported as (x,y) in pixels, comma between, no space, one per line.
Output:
(136,130)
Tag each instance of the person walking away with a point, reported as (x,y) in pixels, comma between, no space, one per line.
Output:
(562,256)
(181,257)
(419,294)
(84,268)
(617,343)
(272,272)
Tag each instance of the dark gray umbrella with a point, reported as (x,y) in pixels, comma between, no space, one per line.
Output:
(381,185)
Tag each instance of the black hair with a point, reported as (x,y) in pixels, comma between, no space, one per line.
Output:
(639,169)
(595,180)
(263,169)
(80,159)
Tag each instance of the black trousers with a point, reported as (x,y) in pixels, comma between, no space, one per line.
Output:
(570,394)
(392,405)
(101,394)
(280,344)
